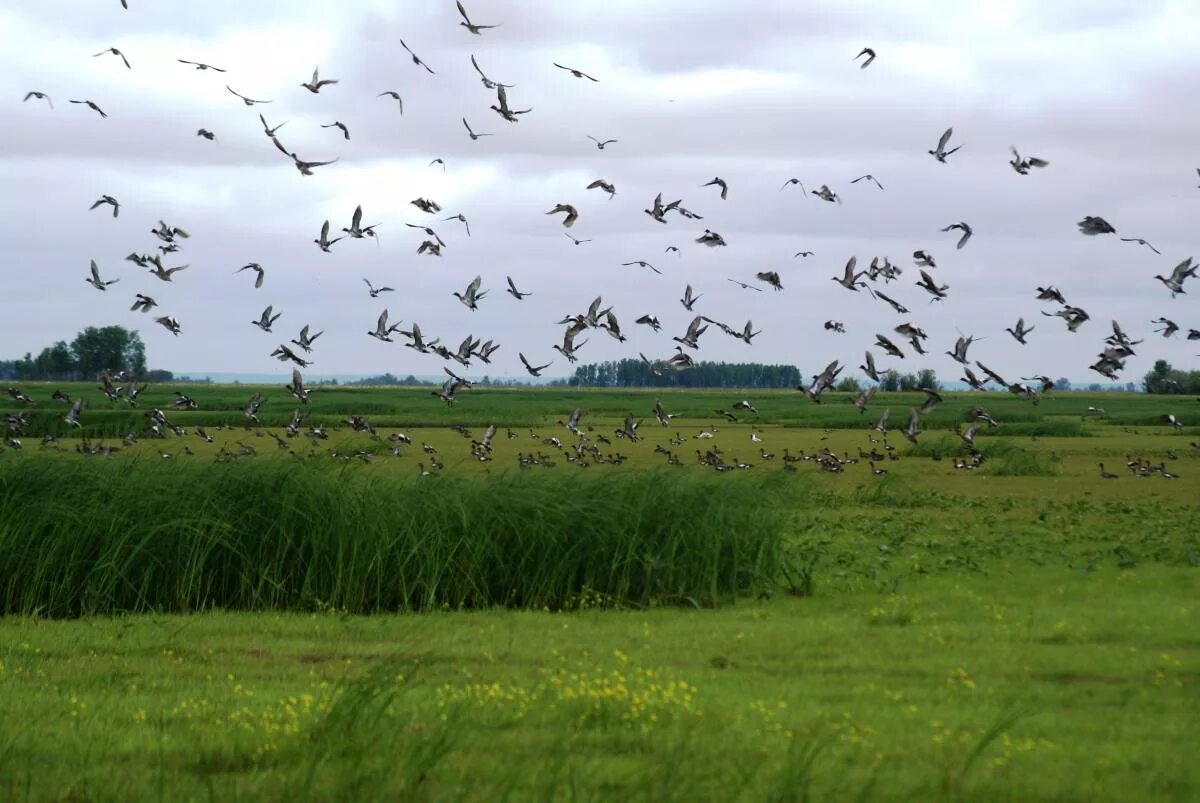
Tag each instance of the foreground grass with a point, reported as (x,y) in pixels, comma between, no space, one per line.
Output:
(1067,685)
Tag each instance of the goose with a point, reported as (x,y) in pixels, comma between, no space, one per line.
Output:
(21,397)
(1020,331)
(1105,474)
(600,144)
(888,346)
(869,53)
(1169,327)
(966,232)
(201,65)
(469,298)
(575,240)
(863,399)
(932,400)
(185,402)
(629,429)
(694,330)
(96,281)
(835,326)
(913,428)
(850,279)
(719,182)
(992,375)
(878,472)
(382,330)
(430,247)
(869,368)
(323,242)
(1183,271)
(503,110)
(169,323)
(657,210)
(252,407)
(487,82)
(568,347)
(305,340)
(680,361)
(1022,166)
(1092,226)
(868,176)
(72,416)
(266,320)
(730,416)
(470,26)
(822,382)
(296,387)
(513,291)
(115,52)
(575,72)
(826,194)
(246,100)
(771,278)
(611,326)
(304,167)
(711,239)
(111,201)
(206,134)
(285,354)
(358,231)
(641,263)
(394,95)
(416,59)
(1140,241)
(896,305)
(651,321)
(1074,316)
(39,96)
(143,303)
(940,153)
(960,349)
(572,214)
(258,269)
(661,415)
(267,129)
(745,286)
(793,182)
(91,106)
(923,259)
(1047,382)
(932,287)
(340,126)
(1171,420)
(314,84)
(471,132)
(533,370)
(688,299)
(374,291)
(603,185)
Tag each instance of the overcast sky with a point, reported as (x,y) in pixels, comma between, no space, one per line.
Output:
(754,92)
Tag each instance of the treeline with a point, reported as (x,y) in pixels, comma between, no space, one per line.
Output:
(111,348)
(1162,378)
(412,381)
(630,373)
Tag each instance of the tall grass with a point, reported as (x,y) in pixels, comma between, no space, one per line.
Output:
(85,537)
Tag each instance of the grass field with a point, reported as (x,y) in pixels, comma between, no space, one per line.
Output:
(292,624)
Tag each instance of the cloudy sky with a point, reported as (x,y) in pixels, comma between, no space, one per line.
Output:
(753,92)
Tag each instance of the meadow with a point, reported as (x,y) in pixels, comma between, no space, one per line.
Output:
(323,620)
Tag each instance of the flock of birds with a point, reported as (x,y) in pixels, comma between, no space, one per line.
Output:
(875,279)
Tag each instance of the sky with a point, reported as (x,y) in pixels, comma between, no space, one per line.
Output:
(755,92)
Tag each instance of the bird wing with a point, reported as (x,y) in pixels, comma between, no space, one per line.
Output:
(941,146)
(462,11)
(356,219)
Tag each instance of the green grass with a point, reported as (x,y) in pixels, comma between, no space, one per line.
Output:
(1026,631)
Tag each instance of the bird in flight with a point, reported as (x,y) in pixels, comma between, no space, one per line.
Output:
(869,53)
(575,240)
(940,153)
(417,59)
(316,82)
(745,286)
(470,26)
(599,144)
(1022,166)
(339,125)
(200,65)
(868,177)
(114,52)
(305,168)
(1140,241)
(533,371)
(503,110)
(393,94)
(805,254)
(258,269)
(323,242)
(966,232)
(246,100)
(39,96)
(572,213)
(206,134)
(603,185)
(1092,225)
(720,182)
(641,263)
(513,291)
(471,133)
(111,201)
(575,72)
(96,281)
(91,106)
(487,82)
(268,129)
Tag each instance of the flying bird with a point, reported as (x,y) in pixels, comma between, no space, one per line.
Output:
(966,232)
(417,59)
(374,291)
(96,281)
(246,100)
(258,269)
(394,95)
(323,242)
(1022,165)
(572,213)
(503,109)
(603,185)
(200,65)
(1092,226)
(270,132)
(1020,331)
(487,82)
(575,240)
(114,52)
(1140,241)
(316,82)
(600,144)
(869,53)
(469,297)
(868,177)
(720,182)
(266,320)
(1184,270)
(533,371)
(39,96)
(575,72)
(304,167)
(771,278)
(940,153)
(513,291)
(339,125)
(471,132)
(688,299)
(91,106)
(470,26)
(206,134)
(641,263)
(111,201)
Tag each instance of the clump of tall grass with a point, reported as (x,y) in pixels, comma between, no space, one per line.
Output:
(1021,463)
(84,537)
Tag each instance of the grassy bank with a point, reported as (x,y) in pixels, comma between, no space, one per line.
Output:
(94,537)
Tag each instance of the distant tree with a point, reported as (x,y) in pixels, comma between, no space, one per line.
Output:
(159,375)
(849,384)
(112,348)
(927,378)
(8,369)
(1062,383)
(629,373)
(909,382)
(890,380)
(1162,378)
